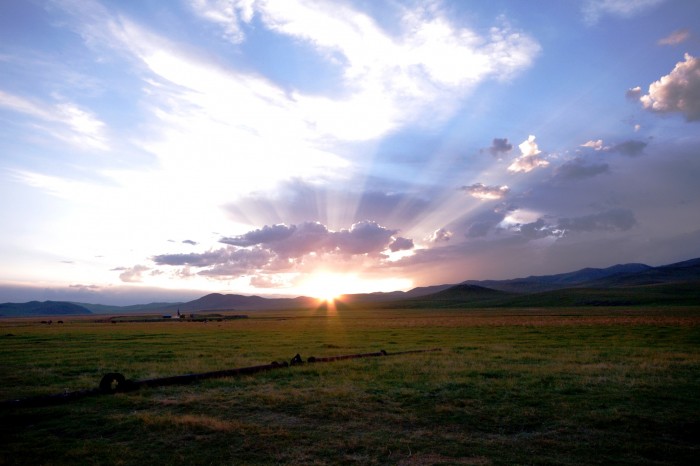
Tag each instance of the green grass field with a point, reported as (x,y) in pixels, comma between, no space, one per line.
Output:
(577,386)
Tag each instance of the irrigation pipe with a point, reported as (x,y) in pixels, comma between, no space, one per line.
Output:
(114,382)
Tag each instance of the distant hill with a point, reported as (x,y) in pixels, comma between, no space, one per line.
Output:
(46,308)
(218,301)
(107,309)
(619,285)
(581,277)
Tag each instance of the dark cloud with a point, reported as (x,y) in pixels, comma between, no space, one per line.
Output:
(577,169)
(484,222)
(267,234)
(204,259)
(500,146)
(610,220)
(480,191)
(630,148)
(536,230)
(237,262)
(677,92)
(280,247)
(190,242)
(401,244)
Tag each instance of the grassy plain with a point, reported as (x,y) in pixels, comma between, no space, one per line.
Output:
(515,386)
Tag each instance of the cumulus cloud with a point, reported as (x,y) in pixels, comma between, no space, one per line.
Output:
(634,93)
(500,146)
(675,38)
(593,10)
(577,169)
(630,148)
(480,191)
(285,247)
(133,274)
(530,158)
(678,91)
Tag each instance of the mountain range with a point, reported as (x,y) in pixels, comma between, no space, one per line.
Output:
(619,285)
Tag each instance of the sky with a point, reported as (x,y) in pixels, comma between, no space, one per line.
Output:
(162,150)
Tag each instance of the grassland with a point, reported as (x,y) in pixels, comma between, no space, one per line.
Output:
(554,386)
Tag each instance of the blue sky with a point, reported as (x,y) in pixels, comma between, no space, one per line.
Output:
(162,150)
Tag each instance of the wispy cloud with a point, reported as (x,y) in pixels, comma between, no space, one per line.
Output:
(593,10)
(676,37)
(61,119)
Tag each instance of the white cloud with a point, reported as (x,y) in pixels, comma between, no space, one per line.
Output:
(595,145)
(530,158)
(678,91)
(483,192)
(593,10)
(440,235)
(66,120)
(390,81)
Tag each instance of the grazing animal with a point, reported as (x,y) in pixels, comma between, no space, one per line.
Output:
(59,322)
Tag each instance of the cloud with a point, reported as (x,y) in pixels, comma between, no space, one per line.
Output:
(593,10)
(190,242)
(266,281)
(133,274)
(595,145)
(286,247)
(66,121)
(484,222)
(401,244)
(630,148)
(530,158)
(577,169)
(634,93)
(269,234)
(500,146)
(610,220)
(480,191)
(678,91)
(390,80)
(675,38)
(440,235)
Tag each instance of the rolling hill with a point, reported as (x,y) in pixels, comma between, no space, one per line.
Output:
(45,308)
(620,285)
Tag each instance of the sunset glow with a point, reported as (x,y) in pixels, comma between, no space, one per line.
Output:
(156,151)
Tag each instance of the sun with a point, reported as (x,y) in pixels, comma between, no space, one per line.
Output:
(327,286)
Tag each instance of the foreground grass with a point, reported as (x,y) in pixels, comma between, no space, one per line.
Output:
(516,387)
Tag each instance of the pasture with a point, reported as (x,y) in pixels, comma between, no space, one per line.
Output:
(515,386)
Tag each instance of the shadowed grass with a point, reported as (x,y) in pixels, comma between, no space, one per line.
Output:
(523,388)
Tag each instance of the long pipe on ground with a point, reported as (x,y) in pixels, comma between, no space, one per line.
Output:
(115,382)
